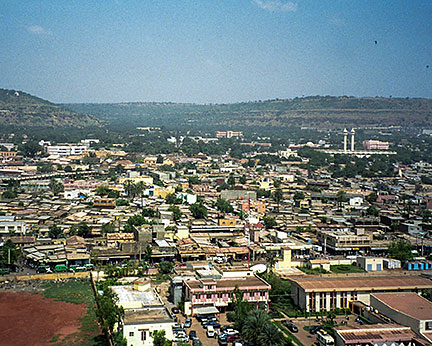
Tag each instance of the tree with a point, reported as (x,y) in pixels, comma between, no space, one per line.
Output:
(171,198)
(108,312)
(372,197)
(55,232)
(269,221)
(298,195)
(8,253)
(102,190)
(159,339)
(231,180)
(149,212)
(56,186)
(122,202)
(166,267)
(9,194)
(241,308)
(242,179)
(84,230)
(108,228)
(371,210)
(148,253)
(177,214)
(30,148)
(277,196)
(198,210)
(254,325)
(277,183)
(224,206)
(401,250)
(270,335)
(271,260)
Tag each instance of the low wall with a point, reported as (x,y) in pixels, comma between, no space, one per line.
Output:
(51,276)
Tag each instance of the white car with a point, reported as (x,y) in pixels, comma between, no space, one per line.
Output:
(210,332)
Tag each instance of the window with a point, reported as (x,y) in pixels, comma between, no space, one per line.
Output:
(208,296)
(131,333)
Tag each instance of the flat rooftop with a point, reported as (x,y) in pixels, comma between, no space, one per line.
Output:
(362,283)
(410,304)
(128,294)
(140,316)
(375,333)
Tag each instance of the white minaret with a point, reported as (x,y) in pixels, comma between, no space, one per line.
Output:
(352,139)
(345,132)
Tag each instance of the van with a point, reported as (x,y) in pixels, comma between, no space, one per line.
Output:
(59,268)
(210,332)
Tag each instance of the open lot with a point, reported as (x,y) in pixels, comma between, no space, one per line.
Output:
(62,315)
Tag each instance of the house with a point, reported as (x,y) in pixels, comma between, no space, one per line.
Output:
(144,313)
(370,263)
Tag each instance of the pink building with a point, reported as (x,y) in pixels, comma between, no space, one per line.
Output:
(375,145)
(207,293)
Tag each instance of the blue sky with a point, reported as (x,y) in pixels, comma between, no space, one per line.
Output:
(215,50)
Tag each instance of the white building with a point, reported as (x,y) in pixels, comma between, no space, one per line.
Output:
(66,150)
(8,225)
(144,313)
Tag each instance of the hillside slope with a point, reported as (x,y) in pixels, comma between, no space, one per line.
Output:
(314,111)
(20,109)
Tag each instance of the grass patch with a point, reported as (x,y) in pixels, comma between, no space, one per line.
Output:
(346,268)
(77,291)
(55,338)
(315,271)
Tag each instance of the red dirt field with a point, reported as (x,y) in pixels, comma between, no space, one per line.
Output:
(30,319)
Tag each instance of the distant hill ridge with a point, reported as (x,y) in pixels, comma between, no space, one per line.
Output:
(21,109)
(318,111)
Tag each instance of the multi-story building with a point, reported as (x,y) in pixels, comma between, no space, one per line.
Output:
(375,145)
(228,134)
(345,241)
(209,294)
(257,206)
(328,293)
(66,149)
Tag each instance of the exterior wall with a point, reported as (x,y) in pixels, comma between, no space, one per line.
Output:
(397,316)
(135,338)
(370,263)
(286,261)
(66,150)
(227,222)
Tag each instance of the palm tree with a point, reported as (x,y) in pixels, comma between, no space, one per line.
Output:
(270,336)
(254,325)
(271,260)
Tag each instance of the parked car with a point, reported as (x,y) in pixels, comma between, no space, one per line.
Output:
(314,329)
(188,323)
(175,310)
(193,334)
(181,336)
(233,338)
(292,327)
(197,342)
(214,324)
(359,320)
(211,332)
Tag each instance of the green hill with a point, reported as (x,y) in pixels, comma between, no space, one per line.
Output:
(20,109)
(313,111)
